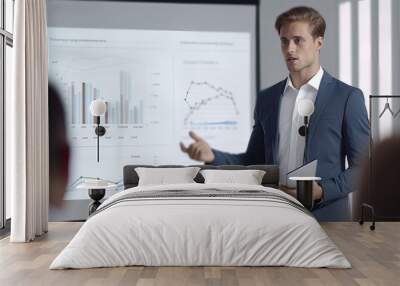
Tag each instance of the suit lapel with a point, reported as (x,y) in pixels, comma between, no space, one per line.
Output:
(276,107)
(325,91)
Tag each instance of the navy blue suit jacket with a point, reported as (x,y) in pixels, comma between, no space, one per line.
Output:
(338,128)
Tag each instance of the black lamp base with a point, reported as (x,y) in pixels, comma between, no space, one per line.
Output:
(96,195)
(304,193)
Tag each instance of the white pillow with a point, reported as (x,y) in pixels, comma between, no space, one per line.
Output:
(162,176)
(249,177)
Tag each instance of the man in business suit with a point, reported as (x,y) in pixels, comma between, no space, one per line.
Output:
(338,127)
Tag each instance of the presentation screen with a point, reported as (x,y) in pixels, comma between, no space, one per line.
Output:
(163,69)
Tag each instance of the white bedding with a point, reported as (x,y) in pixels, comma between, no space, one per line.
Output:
(225,231)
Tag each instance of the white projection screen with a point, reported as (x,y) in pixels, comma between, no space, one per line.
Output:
(162,68)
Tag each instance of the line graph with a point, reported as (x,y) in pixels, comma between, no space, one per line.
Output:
(202,94)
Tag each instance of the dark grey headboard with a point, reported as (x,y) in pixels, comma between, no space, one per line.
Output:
(270,179)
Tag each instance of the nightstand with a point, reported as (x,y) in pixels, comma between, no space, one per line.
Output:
(96,190)
(305,190)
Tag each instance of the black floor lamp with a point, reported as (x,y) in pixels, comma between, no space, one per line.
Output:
(98,108)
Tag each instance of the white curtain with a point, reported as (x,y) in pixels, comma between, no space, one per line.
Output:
(28,123)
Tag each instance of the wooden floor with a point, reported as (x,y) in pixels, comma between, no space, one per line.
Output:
(375,257)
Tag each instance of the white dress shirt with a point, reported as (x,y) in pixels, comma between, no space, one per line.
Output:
(291,144)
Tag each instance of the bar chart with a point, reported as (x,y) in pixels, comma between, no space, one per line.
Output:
(122,110)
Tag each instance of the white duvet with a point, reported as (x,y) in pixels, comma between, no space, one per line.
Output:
(200,231)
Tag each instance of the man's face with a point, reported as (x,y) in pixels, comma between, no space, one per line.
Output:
(300,50)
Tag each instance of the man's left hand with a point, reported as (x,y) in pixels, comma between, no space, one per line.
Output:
(317,192)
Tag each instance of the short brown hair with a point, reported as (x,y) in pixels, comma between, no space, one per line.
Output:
(304,14)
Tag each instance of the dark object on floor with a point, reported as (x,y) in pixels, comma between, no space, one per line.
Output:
(367,206)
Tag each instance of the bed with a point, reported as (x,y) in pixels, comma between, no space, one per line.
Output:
(201,224)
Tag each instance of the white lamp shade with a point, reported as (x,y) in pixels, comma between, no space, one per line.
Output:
(98,107)
(305,107)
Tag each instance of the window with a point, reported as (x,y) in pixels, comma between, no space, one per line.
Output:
(9,15)
(7,78)
(6,43)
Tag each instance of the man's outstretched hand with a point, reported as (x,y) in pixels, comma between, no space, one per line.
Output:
(199,150)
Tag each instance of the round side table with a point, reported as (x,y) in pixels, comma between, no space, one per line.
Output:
(96,191)
(304,190)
